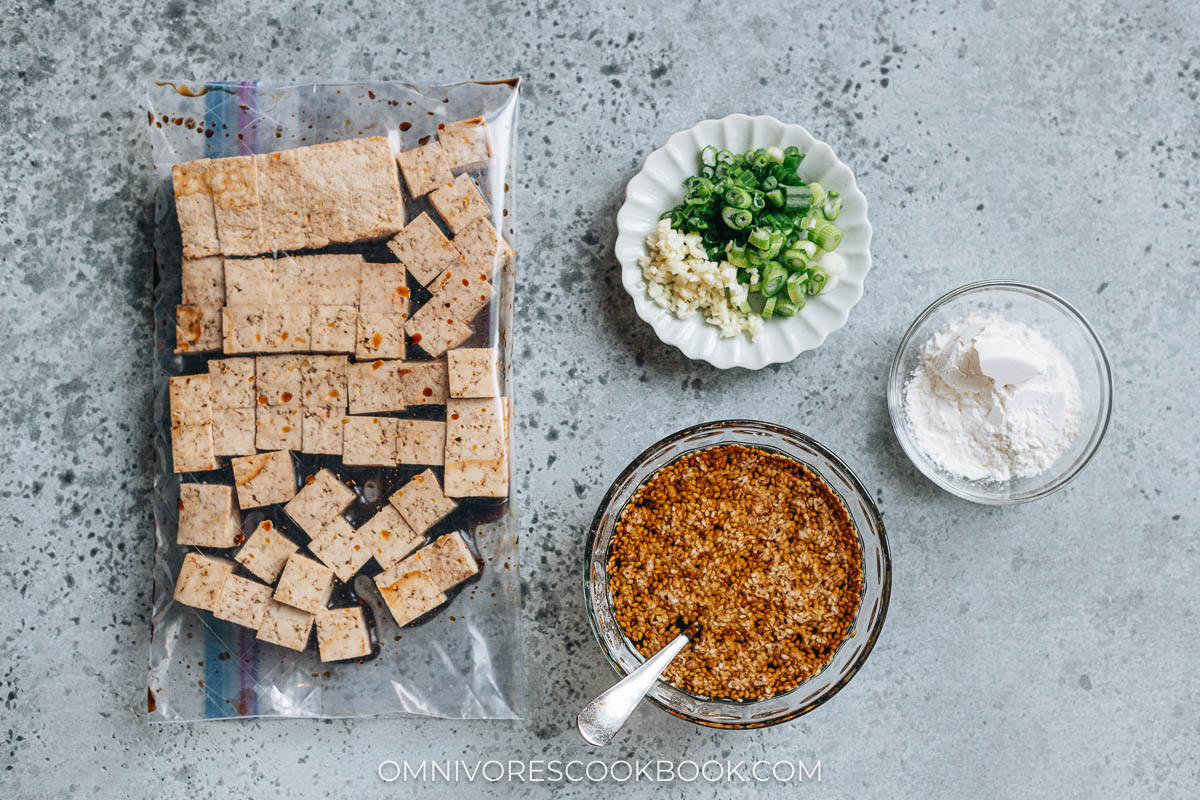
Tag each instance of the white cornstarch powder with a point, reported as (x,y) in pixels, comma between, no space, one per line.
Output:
(680,278)
(993,400)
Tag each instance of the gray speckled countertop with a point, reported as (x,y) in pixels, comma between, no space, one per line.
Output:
(1044,650)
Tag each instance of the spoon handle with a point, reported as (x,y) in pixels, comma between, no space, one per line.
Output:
(600,719)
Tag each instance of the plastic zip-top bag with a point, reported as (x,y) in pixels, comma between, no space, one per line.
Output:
(333,297)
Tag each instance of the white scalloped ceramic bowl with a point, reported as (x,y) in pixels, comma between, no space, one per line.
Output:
(659,188)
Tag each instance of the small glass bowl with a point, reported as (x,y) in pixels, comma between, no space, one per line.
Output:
(1063,325)
(877,575)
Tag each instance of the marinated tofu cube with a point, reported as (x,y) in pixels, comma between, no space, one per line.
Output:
(304,584)
(208,516)
(459,204)
(448,562)
(200,580)
(341,549)
(283,214)
(411,596)
(482,249)
(293,283)
(192,447)
(335,279)
(264,479)
(232,382)
(424,169)
(286,626)
(234,431)
(242,601)
(265,552)
(424,383)
(320,502)
(197,329)
(352,190)
(389,537)
(194,208)
(203,281)
(322,430)
(473,372)
(334,328)
(287,328)
(380,334)
(420,441)
(369,441)
(323,382)
(278,427)
(477,447)
(280,380)
(374,386)
(234,185)
(342,634)
(421,502)
(465,143)
(424,250)
(383,287)
(435,335)
(190,399)
(459,294)
(242,328)
(251,281)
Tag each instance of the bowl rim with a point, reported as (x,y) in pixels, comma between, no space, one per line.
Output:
(868,504)
(896,381)
(666,329)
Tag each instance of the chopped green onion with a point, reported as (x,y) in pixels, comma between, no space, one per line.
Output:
(817,278)
(724,157)
(794,258)
(769,308)
(832,207)
(786,308)
(736,218)
(760,238)
(708,156)
(818,193)
(798,198)
(796,286)
(775,198)
(773,278)
(737,197)
(824,234)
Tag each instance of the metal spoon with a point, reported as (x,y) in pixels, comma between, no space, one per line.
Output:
(600,719)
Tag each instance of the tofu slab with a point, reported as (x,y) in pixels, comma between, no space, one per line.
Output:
(380,333)
(341,549)
(352,190)
(190,398)
(242,328)
(320,502)
(242,601)
(234,185)
(264,479)
(282,214)
(194,208)
(287,328)
(192,448)
(250,281)
(198,329)
(482,249)
(425,169)
(265,552)
(435,335)
(334,278)
(389,537)
(459,204)
(478,477)
(280,380)
(234,431)
(477,447)
(334,328)
(305,584)
(448,562)
(473,372)
(323,381)
(232,382)
(411,596)
(321,430)
(203,281)
(293,281)
(286,626)
(208,516)
(369,441)
(424,250)
(424,383)
(460,293)
(421,502)
(342,634)
(465,143)
(383,287)
(200,580)
(374,386)
(420,441)
(278,427)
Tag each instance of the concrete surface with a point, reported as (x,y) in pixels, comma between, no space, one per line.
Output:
(1047,650)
